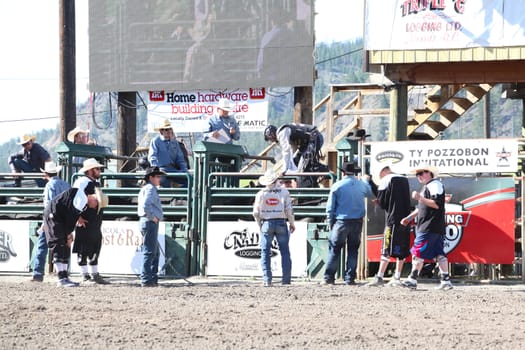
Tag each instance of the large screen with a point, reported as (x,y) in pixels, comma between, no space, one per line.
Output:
(199,44)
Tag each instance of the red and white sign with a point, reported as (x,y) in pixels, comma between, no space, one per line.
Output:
(443,24)
(189,111)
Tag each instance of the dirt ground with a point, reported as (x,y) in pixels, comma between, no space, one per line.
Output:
(224,313)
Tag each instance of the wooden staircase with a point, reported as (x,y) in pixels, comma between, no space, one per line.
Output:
(444,105)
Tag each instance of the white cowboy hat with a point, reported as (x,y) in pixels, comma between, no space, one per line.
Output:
(51,168)
(268,178)
(25,139)
(71,135)
(166,124)
(382,166)
(224,104)
(433,170)
(102,198)
(90,164)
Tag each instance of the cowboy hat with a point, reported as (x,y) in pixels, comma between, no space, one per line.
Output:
(350,168)
(102,198)
(25,139)
(90,164)
(431,169)
(51,168)
(166,124)
(71,135)
(152,171)
(382,166)
(268,178)
(224,104)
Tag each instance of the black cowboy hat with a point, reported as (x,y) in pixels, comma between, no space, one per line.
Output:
(152,171)
(350,168)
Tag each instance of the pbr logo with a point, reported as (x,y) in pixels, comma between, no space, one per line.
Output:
(6,246)
(455,219)
(245,244)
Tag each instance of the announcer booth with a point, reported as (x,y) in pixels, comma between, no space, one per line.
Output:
(481,196)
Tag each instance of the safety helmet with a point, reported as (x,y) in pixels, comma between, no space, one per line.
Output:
(270,131)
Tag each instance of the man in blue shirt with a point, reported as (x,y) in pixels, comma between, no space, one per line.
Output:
(150,213)
(345,210)
(222,121)
(165,153)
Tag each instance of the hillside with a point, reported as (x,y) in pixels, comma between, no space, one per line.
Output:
(336,63)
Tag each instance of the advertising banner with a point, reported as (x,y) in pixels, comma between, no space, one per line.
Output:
(443,24)
(480,215)
(449,157)
(190,111)
(234,250)
(14,245)
(121,248)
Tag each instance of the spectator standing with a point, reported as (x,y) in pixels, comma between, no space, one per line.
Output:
(150,214)
(54,186)
(345,210)
(166,153)
(88,240)
(393,196)
(30,159)
(430,227)
(271,209)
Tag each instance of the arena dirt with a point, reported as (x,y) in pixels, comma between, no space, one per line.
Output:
(241,314)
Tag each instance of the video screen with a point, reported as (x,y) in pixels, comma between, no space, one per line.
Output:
(137,45)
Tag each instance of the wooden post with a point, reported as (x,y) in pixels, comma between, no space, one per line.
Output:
(398,113)
(127,128)
(303,112)
(67,69)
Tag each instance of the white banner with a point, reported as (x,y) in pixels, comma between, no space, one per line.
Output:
(189,111)
(14,245)
(443,24)
(121,248)
(234,250)
(454,156)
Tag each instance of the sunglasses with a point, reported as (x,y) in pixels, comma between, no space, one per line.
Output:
(419,173)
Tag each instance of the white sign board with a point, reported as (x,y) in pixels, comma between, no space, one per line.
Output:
(121,248)
(14,245)
(443,24)
(234,250)
(190,111)
(452,157)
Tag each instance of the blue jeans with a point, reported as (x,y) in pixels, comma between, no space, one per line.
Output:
(279,230)
(150,251)
(23,166)
(40,256)
(349,231)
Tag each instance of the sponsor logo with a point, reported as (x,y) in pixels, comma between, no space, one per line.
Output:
(503,158)
(257,94)
(156,96)
(389,156)
(455,219)
(246,244)
(6,246)
(272,201)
